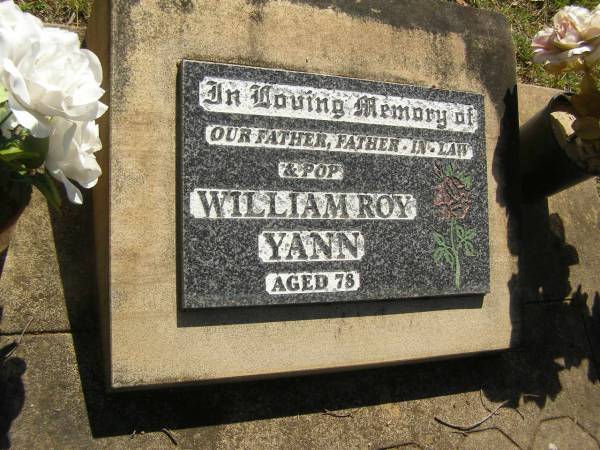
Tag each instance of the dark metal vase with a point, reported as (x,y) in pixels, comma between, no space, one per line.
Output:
(545,167)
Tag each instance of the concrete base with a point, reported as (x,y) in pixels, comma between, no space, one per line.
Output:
(52,396)
(52,389)
(148,342)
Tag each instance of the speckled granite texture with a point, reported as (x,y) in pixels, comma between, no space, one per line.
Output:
(219,261)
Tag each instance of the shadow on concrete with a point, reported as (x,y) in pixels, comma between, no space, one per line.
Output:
(12,390)
(507,375)
(73,233)
(552,335)
(282,313)
(3,255)
(556,336)
(549,326)
(559,323)
(550,331)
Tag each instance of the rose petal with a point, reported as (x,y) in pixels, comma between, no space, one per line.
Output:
(73,193)
(15,81)
(47,71)
(543,39)
(36,123)
(94,64)
(572,15)
(71,151)
(593,57)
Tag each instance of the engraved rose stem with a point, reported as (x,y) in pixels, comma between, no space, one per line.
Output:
(455,254)
(452,198)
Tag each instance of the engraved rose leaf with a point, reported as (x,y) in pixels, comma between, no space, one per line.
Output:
(470,234)
(443,254)
(438,254)
(448,170)
(469,248)
(439,239)
(460,232)
(467,180)
(449,258)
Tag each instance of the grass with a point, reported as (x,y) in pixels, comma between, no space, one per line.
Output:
(69,12)
(527,17)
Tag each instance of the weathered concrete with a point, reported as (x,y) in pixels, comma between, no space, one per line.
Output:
(556,269)
(49,274)
(138,230)
(52,396)
(52,388)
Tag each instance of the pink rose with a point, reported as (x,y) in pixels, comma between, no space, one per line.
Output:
(562,47)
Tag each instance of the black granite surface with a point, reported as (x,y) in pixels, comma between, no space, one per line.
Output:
(444,251)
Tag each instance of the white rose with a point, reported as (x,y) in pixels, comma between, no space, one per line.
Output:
(18,30)
(592,25)
(71,155)
(569,22)
(591,33)
(54,77)
(561,48)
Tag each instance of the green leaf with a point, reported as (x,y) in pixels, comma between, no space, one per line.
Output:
(47,186)
(468,182)
(11,150)
(442,254)
(437,255)
(439,239)
(19,156)
(448,257)
(470,234)
(465,179)
(460,231)
(449,170)
(469,248)
(38,147)
(14,169)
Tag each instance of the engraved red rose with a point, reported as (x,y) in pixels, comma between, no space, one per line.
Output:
(452,196)
(452,199)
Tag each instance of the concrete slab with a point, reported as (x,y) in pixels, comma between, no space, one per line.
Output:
(49,273)
(559,254)
(138,280)
(563,432)
(52,388)
(552,265)
(485,438)
(52,396)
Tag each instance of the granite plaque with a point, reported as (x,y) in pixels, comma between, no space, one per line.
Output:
(304,188)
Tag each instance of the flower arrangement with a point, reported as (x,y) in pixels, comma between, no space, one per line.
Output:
(572,44)
(49,101)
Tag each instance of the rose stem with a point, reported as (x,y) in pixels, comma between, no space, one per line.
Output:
(455,252)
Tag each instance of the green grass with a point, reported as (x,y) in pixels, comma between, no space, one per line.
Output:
(527,17)
(70,12)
